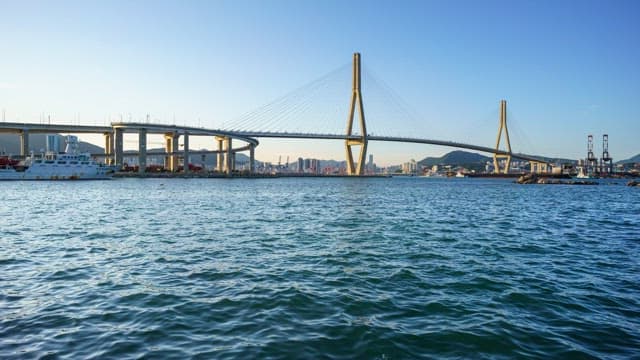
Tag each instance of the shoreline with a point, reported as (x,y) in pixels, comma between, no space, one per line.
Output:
(215,175)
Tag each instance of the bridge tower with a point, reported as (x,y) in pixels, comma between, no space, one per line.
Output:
(361,140)
(503,125)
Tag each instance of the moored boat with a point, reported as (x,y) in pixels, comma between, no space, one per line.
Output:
(69,165)
(582,174)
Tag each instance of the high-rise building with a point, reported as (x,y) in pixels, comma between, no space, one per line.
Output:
(314,166)
(371,167)
(410,167)
(53,143)
(300,165)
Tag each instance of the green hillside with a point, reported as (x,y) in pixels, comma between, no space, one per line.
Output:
(455,158)
(631,160)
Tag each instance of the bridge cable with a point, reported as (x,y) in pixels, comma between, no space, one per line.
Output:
(388,107)
(284,114)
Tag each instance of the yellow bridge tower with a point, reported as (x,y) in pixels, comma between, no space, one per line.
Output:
(356,102)
(503,125)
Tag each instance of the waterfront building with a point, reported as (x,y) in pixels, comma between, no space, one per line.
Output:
(53,143)
(410,168)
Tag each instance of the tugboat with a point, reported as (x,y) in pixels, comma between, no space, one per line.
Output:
(69,165)
(582,174)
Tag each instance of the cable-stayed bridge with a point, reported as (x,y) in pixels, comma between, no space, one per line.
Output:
(285,113)
(281,120)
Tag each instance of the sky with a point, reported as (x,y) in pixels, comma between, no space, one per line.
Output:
(567,69)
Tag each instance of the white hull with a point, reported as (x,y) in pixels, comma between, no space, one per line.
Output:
(582,175)
(95,173)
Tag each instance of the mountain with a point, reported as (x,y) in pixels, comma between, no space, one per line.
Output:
(553,160)
(631,160)
(464,158)
(456,158)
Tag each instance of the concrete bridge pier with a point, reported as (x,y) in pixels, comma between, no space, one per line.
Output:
(118,147)
(233,161)
(185,161)
(252,159)
(220,158)
(142,150)
(24,143)
(229,161)
(538,167)
(108,148)
(171,148)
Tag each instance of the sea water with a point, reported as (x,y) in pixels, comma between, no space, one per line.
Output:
(378,268)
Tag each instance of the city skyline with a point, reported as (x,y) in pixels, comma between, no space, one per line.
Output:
(566,69)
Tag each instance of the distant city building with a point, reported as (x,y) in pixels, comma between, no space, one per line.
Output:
(371,167)
(53,143)
(300,165)
(314,166)
(410,168)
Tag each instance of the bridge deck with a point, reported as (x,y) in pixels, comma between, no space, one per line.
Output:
(390,139)
(247,136)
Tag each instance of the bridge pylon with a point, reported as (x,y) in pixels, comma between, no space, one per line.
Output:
(501,127)
(356,103)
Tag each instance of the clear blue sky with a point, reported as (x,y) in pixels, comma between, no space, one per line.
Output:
(567,68)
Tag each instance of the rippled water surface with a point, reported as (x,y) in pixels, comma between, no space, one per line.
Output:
(314,268)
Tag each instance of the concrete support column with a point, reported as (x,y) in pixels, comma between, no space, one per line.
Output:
(108,148)
(228,165)
(220,158)
(233,161)
(167,150)
(24,143)
(118,147)
(252,159)
(142,150)
(535,168)
(185,162)
(171,148)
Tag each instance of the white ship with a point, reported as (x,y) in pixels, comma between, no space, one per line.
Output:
(69,165)
(582,174)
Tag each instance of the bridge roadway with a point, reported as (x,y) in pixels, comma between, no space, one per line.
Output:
(9,127)
(247,136)
(285,135)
